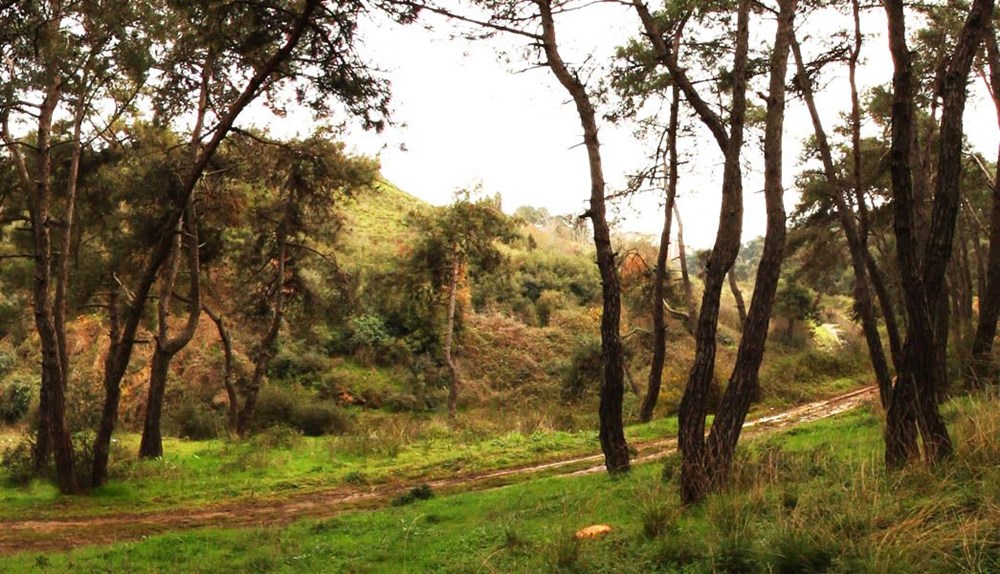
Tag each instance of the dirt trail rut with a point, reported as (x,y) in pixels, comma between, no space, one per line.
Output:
(59,534)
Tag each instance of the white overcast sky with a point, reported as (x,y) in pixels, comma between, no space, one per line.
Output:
(464,116)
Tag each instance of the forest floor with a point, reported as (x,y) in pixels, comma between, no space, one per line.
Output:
(19,535)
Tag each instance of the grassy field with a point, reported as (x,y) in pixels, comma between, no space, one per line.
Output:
(278,462)
(813,499)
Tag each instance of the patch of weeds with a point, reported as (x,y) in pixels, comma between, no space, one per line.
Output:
(565,553)
(419,492)
(324,526)
(677,551)
(356,478)
(277,437)
(796,552)
(658,516)
(512,537)
(735,555)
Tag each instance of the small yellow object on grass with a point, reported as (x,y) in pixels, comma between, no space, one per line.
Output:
(595,531)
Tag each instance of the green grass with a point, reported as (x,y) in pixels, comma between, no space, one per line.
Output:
(275,464)
(814,499)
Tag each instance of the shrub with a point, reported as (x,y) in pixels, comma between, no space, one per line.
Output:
(278,437)
(83,458)
(18,462)
(15,399)
(295,408)
(370,335)
(196,422)
(7,363)
(583,371)
(319,419)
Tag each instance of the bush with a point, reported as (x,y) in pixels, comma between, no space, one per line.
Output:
(196,422)
(370,335)
(7,363)
(319,420)
(280,406)
(15,400)
(583,371)
(18,462)
(83,457)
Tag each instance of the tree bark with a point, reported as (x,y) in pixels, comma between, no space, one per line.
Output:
(612,433)
(694,404)
(660,277)
(37,187)
(692,309)
(741,306)
(743,382)
(914,397)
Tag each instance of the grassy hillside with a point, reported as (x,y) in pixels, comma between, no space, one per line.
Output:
(375,225)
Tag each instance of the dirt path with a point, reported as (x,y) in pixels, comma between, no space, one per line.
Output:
(62,534)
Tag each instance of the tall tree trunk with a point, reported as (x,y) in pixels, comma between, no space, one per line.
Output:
(743,382)
(694,404)
(228,371)
(151,445)
(449,333)
(741,306)
(856,243)
(692,310)
(914,398)
(53,369)
(120,350)
(660,277)
(982,364)
(612,433)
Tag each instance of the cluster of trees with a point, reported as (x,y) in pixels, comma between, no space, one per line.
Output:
(128,186)
(122,168)
(698,56)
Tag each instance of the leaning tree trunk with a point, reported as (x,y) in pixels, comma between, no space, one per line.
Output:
(694,404)
(612,432)
(660,277)
(743,383)
(856,244)
(914,397)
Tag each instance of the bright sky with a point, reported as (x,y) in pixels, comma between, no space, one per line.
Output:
(466,115)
